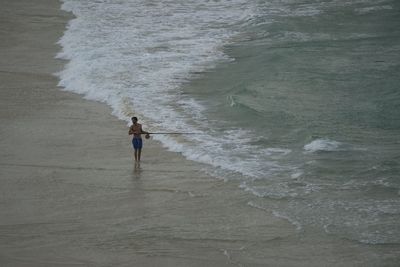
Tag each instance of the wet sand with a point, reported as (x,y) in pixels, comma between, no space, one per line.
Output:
(70,194)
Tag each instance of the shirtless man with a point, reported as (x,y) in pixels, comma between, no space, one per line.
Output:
(136,130)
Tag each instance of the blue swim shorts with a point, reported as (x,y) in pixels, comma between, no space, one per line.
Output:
(137,143)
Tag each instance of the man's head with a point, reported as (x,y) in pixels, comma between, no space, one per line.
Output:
(134,119)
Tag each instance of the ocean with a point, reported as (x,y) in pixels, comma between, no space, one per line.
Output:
(298,102)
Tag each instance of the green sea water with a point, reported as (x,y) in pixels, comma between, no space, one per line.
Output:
(319,79)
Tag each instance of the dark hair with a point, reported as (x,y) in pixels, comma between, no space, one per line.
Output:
(134,118)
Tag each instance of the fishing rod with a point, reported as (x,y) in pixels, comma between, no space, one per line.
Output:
(174,133)
(147,136)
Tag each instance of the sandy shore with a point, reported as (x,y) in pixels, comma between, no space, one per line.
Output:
(71,196)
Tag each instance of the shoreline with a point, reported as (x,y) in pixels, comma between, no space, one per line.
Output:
(70,194)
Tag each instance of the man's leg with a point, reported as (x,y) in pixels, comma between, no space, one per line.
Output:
(136,155)
(140,144)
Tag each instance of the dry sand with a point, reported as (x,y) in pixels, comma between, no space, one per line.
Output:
(70,194)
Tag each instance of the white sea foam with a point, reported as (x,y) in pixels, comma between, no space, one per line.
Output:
(296,175)
(322,145)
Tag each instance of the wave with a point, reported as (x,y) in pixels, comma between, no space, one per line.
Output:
(323,145)
(277,214)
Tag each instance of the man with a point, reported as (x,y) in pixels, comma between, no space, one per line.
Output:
(136,130)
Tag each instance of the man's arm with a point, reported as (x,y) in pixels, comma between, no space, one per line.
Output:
(130,131)
(143,131)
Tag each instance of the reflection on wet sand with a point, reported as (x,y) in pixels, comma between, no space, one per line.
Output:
(136,170)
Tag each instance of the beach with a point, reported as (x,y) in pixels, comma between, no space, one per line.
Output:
(71,195)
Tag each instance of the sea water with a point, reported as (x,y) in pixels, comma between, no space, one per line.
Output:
(297,101)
